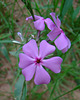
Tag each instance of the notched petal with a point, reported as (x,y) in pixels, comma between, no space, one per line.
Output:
(29,71)
(53,64)
(61,42)
(45,49)
(39,24)
(31,49)
(25,60)
(41,76)
(49,23)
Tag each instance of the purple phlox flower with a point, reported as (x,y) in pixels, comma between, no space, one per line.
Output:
(31,61)
(62,42)
(39,24)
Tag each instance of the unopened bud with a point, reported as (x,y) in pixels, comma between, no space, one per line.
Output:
(20,35)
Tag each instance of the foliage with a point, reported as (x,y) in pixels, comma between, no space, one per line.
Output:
(60,83)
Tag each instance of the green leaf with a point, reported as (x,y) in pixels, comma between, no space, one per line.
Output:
(5,41)
(62,5)
(4,52)
(77,81)
(10,41)
(67,5)
(55,2)
(37,8)
(3,17)
(75,13)
(24,92)
(19,87)
(4,36)
(14,53)
(15,0)
(77,39)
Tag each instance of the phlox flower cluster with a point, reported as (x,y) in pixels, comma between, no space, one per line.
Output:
(32,59)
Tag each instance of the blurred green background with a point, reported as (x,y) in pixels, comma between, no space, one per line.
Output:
(63,86)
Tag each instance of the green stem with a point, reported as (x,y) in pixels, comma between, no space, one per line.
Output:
(77,87)
(28,6)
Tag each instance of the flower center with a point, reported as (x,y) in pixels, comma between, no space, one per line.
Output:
(38,60)
(43,19)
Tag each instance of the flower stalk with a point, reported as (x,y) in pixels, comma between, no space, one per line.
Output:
(28,6)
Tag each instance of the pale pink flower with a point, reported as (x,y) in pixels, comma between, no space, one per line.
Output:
(62,42)
(32,60)
(39,24)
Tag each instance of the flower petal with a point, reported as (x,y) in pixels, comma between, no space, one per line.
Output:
(53,64)
(41,76)
(31,49)
(28,72)
(54,33)
(61,42)
(69,42)
(57,21)
(49,23)
(35,16)
(54,18)
(66,48)
(39,24)
(25,60)
(45,49)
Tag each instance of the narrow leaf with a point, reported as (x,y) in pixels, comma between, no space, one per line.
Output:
(19,87)
(67,5)
(2,36)
(62,5)
(5,41)
(24,92)
(4,52)
(77,87)
(76,11)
